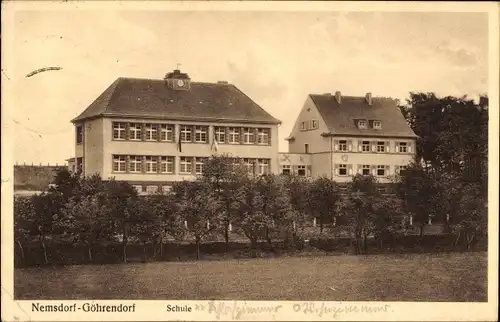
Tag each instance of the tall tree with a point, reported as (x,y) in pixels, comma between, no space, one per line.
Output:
(324,197)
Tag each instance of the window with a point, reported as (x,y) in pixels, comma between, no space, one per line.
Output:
(199,165)
(377,124)
(365,170)
(151,164)
(402,147)
(342,169)
(400,169)
(248,135)
(186,132)
(167,133)
(135,131)
(286,169)
(138,188)
(380,146)
(167,165)
(186,165)
(79,165)
(234,135)
(135,164)
(220,134)
(381,170)
(119,131)
(263,166)
(362,124)
(119,163)
(249,164)
(200,134)
(365,146)
(302,126)
(306,148)
(151,132)
(151,189)
(263,136)
(79,134)
(314,124)
(301,170)
(342,145)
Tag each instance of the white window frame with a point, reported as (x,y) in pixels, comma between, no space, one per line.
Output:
(79,134)
(362,124)
(234,135)
(343,145)
(151,189)
(167,132)
(167,162)
(151,132)
(403,148)
(135,164)
(263,136)
(377,125)
(380,146)
(286,167)
(343,167)
(381,167)
(135,131)
(249,164)
(302,126)
(138,188)
(301,167)
(401,168)
(263,165)
(365,147)
(199,165)
(119,163)
(248,135)
(119,131)
(220,134)
(365,167)
(200,134)
(186,165)
(314,124)
(186,134)
(151,164)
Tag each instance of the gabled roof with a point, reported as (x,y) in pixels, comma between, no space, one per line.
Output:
(341,118)
(147,98)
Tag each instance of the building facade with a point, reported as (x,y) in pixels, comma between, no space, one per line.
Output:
(154,132)
(339,137)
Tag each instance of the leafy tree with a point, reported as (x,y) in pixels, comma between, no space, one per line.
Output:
(199,207)
(24,216)
(324,197)
(298,193)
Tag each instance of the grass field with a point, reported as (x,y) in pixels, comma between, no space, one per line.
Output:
(436,277)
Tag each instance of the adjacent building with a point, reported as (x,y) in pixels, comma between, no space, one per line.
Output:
(340,136)
(154,132)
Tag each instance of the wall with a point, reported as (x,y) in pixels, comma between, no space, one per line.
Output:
(188,149)
(93,146)
(34,177)
(313,138)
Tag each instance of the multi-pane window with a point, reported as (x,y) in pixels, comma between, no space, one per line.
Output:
(400,169)
(151,189)
(186,133)
(79,134)
(200,134)
(286,169)
(186,165)
(342,169)
(263,166)
(167,165)
(365,170)
(342,145)
(365,147)
(263,136)
(380,146)
(402,147)
(249,164)
(167,133)
(301,170)
(119,163)
(381,170)
(119,131)
(135,131)
(302,126)
(234,135)
(377,124)
(79,165)
(314,124)
(362,124)
(151,164)
(199,165)
(138,188)
(220,134)
(135,164)
(248,135)
(151,132)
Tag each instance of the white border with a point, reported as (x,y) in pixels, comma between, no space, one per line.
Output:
(155,310)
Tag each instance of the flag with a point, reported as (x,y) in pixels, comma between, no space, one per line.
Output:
(215,145)
(179,146)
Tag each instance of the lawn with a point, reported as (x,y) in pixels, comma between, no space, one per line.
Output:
(415,277)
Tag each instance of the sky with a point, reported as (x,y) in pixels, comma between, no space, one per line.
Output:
(276,58)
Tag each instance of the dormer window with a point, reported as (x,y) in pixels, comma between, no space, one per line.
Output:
(377,125)
(362,124)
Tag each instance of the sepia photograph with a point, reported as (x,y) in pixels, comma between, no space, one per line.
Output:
(249,155)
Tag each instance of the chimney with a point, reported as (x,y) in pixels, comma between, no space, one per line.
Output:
(369,98)
(338,97)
